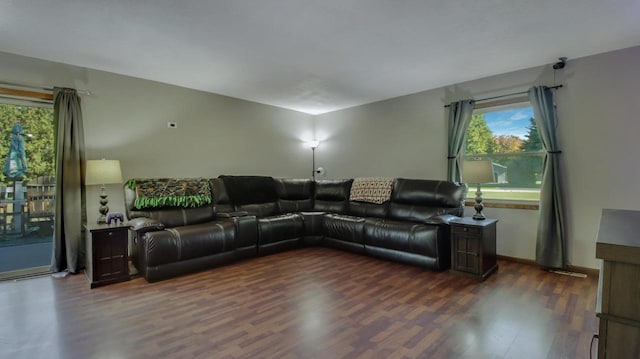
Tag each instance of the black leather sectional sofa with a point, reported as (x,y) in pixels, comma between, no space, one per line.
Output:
(252,216)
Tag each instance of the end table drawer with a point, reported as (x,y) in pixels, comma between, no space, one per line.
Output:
(471,231)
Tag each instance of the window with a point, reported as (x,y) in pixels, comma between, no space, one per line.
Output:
(27,187)
(508,137)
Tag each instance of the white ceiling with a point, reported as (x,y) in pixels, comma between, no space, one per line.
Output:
(315,56)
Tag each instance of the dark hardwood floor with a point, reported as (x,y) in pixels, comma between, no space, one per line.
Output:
(308,303)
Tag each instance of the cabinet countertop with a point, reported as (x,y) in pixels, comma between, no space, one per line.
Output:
(103,227)
(469,221)
(618,238)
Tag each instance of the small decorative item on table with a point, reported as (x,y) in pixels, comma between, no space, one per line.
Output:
(114,217)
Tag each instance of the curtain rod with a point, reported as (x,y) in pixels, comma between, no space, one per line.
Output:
(22,101)
(22,86)
(46,89)
(511,94)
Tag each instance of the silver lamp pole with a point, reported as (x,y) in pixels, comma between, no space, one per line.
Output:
(313,163)
(313,144)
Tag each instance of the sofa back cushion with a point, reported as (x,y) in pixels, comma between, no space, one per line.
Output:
(250,189)
(221,201)
(169,216)
(418,200)
(365,209)
(369,196)
(294,195)
(371,189)
(332,195)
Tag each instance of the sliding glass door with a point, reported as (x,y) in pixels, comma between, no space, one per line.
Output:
(27,188)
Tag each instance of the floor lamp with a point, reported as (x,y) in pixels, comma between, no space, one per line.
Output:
(313,144)
(478,172)
(103,172)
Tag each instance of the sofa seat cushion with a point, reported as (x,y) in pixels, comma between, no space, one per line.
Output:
(343,227)
(188,242)
(280,228)
(402,236)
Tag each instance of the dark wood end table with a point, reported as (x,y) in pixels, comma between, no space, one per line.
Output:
(473,247)
(107,260)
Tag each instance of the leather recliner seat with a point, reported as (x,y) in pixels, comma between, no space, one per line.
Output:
(179,240)
(281,232)
(343,232)
(253,215)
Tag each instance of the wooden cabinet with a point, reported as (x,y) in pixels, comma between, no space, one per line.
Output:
(473,247)
(107,254)
(618,245)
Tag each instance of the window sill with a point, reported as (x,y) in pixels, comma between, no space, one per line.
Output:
(532,205)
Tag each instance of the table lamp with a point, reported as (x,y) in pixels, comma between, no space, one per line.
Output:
(478,172)
(103,172)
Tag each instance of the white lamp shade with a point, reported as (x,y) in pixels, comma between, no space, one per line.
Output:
(478,172)
(313,143)
(101,172)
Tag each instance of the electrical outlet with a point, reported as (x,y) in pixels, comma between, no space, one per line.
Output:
(172,125)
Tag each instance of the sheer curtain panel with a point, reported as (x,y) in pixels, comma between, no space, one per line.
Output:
(550,241)
(459,117)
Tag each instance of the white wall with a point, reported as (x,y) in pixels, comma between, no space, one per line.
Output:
(598,110)
(126,119)
(600,114)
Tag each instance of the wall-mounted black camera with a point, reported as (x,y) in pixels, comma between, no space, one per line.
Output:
(560,65)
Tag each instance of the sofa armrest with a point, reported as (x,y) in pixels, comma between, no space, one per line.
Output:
(246,232)
(143,225)
(232,214)
(441,219)
(313,222)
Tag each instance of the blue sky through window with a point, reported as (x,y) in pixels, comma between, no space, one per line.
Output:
(509,122)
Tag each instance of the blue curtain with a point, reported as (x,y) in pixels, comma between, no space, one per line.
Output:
(68,245)
(459,117)
(550,241)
